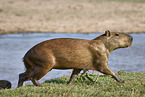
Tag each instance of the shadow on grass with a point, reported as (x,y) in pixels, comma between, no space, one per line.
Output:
(87,79)
(63,80)
(84,78)
(59,81)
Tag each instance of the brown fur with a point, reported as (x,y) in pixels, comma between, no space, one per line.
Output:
(76,54)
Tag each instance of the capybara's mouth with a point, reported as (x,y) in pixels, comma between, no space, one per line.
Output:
(129,45)
(126,46)
(130,41)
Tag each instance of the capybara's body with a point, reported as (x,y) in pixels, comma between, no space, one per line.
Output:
(76,54)
(64,54)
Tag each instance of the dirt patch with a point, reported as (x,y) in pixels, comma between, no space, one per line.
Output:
(71,16)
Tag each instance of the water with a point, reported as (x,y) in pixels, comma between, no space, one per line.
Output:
(14,46)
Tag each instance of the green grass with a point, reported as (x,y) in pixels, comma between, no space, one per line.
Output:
(103,86)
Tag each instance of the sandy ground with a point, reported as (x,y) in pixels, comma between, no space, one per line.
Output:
(71,16)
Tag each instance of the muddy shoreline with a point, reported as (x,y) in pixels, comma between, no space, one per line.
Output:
(28,32)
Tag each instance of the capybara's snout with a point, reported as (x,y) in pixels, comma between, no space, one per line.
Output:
(131,39)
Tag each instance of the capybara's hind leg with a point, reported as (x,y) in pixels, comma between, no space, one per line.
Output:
(22,77)
(38,73)
(35,82)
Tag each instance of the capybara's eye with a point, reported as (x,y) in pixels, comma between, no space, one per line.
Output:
(117,34)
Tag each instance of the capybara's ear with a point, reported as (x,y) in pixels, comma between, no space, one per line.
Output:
(107,33)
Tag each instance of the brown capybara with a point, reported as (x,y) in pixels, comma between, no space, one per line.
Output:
(76,54)
(4,84)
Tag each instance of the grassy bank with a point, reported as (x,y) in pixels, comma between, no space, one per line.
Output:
(103,86)
(72,16)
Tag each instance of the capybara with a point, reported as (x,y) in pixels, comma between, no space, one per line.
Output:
(4,84)
(76,54)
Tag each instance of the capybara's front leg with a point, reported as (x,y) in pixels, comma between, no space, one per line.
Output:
(107,70)
(117,78)
(74,74)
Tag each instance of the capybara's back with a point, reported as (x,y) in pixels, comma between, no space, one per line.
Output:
(76,54)
(59,54)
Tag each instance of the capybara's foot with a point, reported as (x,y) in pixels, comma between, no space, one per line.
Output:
(35,82)
(121,81)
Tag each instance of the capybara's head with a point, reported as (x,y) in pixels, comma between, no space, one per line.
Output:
(114,40)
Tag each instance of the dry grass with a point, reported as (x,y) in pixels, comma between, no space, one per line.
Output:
(71,16)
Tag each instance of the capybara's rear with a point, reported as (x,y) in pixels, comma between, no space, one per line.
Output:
(76,54)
